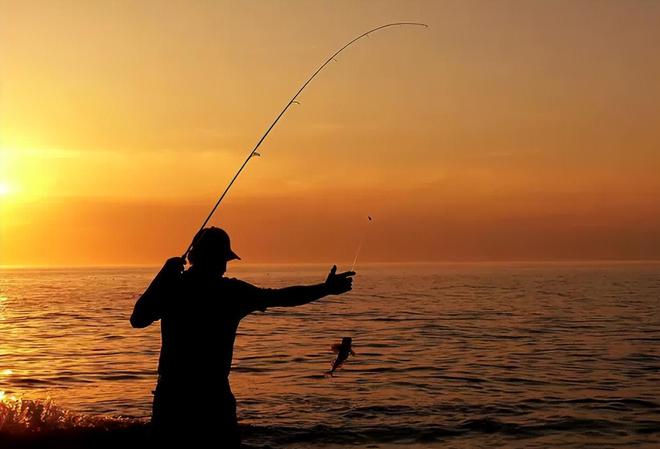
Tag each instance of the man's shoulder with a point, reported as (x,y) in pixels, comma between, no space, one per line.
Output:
(237,283)
(234,281)
(192,281)
(251,298)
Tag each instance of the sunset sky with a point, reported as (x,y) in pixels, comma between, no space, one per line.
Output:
(511,130)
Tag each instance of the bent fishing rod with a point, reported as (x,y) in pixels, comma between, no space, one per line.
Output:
(254,152)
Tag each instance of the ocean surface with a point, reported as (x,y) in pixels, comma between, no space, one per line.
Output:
(451,356)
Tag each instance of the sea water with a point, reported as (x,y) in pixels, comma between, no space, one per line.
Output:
(447,355)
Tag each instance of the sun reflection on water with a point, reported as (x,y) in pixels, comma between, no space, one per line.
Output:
(3,299)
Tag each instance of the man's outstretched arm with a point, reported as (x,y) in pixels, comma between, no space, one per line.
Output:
(335,284)
(149,306)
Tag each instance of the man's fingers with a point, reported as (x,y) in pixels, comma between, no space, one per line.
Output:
(174,262)
(342,282)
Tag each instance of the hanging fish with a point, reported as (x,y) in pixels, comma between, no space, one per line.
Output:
(342,350)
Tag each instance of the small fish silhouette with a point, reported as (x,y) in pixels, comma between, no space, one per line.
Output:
(342,350)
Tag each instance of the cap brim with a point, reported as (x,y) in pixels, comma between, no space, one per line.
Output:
(232,256)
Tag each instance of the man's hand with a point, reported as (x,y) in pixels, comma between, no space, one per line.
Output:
(339,283)
(173,266)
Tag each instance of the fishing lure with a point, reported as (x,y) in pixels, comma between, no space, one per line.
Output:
(343,350)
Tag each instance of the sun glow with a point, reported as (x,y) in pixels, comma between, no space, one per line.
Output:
(5,189)
(28,173)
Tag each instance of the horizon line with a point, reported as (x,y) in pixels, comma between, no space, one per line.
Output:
(373,263)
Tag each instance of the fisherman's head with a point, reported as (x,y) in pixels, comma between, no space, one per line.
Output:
(211,250)
(346,340)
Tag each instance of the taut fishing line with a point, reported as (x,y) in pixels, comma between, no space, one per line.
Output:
(359,247)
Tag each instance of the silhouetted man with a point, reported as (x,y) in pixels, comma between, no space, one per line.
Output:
(200,310)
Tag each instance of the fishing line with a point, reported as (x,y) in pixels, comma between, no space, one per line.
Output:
(254,153)
(359,248)
(357,253)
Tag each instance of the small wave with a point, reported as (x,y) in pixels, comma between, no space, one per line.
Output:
(249,369)
(518,380)
(120,376)
(608,403)
(40,424)
(29,381)
(420,433)
(114,337)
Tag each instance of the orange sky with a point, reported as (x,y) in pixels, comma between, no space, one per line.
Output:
(514,130)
